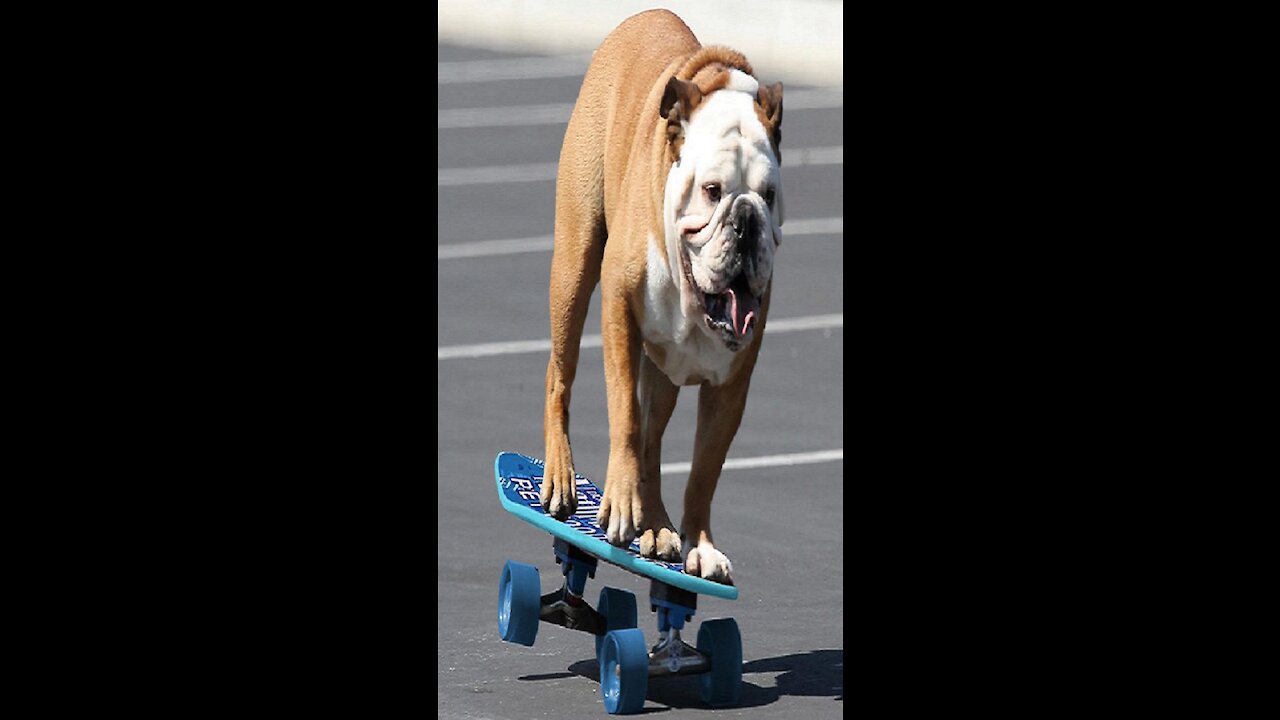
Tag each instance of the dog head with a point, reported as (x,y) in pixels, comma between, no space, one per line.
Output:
(723,200)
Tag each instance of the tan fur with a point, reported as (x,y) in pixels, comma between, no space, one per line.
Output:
(613,167)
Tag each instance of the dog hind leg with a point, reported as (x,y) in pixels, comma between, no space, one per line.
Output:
(575,272)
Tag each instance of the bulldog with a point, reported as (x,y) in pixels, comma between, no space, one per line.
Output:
(668,197)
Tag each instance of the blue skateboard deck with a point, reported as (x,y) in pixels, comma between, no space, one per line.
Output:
(519,483)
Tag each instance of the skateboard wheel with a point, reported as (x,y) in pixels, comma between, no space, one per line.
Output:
(722,684)
(519,603)
(624,671)
(619,610)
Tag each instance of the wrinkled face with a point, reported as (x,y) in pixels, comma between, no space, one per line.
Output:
(723,211)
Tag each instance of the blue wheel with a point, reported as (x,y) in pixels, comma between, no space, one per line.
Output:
(624,671)
(722,684)
(519,603)
(619,610)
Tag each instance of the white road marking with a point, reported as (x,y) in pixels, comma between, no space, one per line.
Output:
(812,156)
(558,113)
(494,174)
(805,458)
(808,322)
(532,172)
(812,226)
(470,71)
(481,248)
(543,243)
(517,347)
(508,116)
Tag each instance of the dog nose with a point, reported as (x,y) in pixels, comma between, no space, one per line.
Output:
(744,229)
(744,221)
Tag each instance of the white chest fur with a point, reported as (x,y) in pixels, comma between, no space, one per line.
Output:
(685,351)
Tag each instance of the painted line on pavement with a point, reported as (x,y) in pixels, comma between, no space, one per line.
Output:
(517,347)
(543,243)
(526,68)
(764,461)
(558,113)
(534,172)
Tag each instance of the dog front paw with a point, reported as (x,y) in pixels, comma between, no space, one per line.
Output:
(621,509)
(662,542)
(706,562)
(559,493)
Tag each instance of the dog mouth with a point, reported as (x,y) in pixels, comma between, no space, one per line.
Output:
(733,311)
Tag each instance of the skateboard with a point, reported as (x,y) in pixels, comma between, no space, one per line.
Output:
(579,544)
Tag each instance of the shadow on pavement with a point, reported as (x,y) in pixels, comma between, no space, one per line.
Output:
(547,676)
(818,673)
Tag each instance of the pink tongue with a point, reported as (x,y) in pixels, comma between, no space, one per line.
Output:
(740,314)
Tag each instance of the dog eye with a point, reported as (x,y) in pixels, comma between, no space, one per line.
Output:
(713,192)
(768,197)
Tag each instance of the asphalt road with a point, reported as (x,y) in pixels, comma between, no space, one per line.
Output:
(782,526)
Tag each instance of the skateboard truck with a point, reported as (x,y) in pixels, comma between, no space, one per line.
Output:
(673,656)
(565,606)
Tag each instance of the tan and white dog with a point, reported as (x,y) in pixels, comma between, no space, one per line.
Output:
(669,198)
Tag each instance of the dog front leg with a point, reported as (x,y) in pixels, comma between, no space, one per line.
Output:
(658,395)
(719,414)
(621,510)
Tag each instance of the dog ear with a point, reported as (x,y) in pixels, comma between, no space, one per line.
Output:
(678,102)
(770,100)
